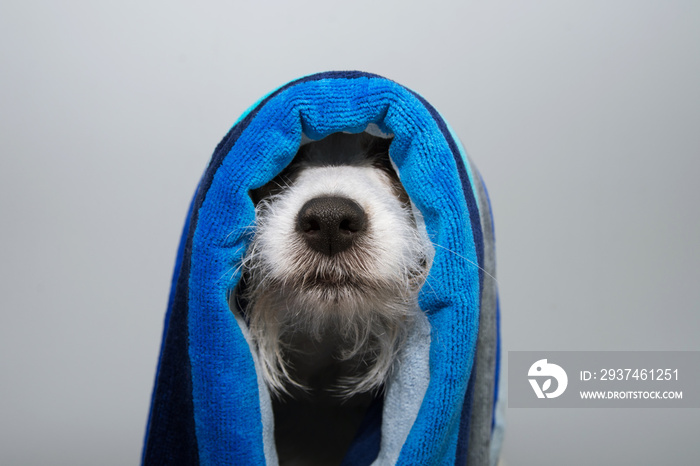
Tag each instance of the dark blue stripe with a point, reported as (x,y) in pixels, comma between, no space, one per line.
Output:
(498,362)
(465,420)
(171,437)
(156,396)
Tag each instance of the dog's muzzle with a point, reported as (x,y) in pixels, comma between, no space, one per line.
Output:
(331,224)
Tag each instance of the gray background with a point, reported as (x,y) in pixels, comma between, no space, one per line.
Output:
(582,116)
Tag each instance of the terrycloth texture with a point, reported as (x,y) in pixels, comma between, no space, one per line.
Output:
(209,403)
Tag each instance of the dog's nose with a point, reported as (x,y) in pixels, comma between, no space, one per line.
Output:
(331,224)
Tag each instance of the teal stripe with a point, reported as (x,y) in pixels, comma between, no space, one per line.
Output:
(467,163)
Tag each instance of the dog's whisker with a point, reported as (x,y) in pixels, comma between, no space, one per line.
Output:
(466,260)
(238,230)
(229,274)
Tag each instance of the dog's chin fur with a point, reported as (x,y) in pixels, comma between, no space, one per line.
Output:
(367,321)
(357,304)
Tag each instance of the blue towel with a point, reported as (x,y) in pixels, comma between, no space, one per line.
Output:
(210,405)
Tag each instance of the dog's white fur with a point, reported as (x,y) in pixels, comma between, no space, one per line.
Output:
(361,299)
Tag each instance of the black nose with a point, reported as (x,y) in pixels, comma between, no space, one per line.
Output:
(331,224)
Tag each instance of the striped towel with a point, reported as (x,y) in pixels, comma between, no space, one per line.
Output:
(209,403)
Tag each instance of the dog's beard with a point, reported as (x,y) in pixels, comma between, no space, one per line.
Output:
(367,315)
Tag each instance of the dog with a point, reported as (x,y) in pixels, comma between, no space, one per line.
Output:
(329,289)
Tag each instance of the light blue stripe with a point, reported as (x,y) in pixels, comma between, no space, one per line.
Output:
(467,162)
